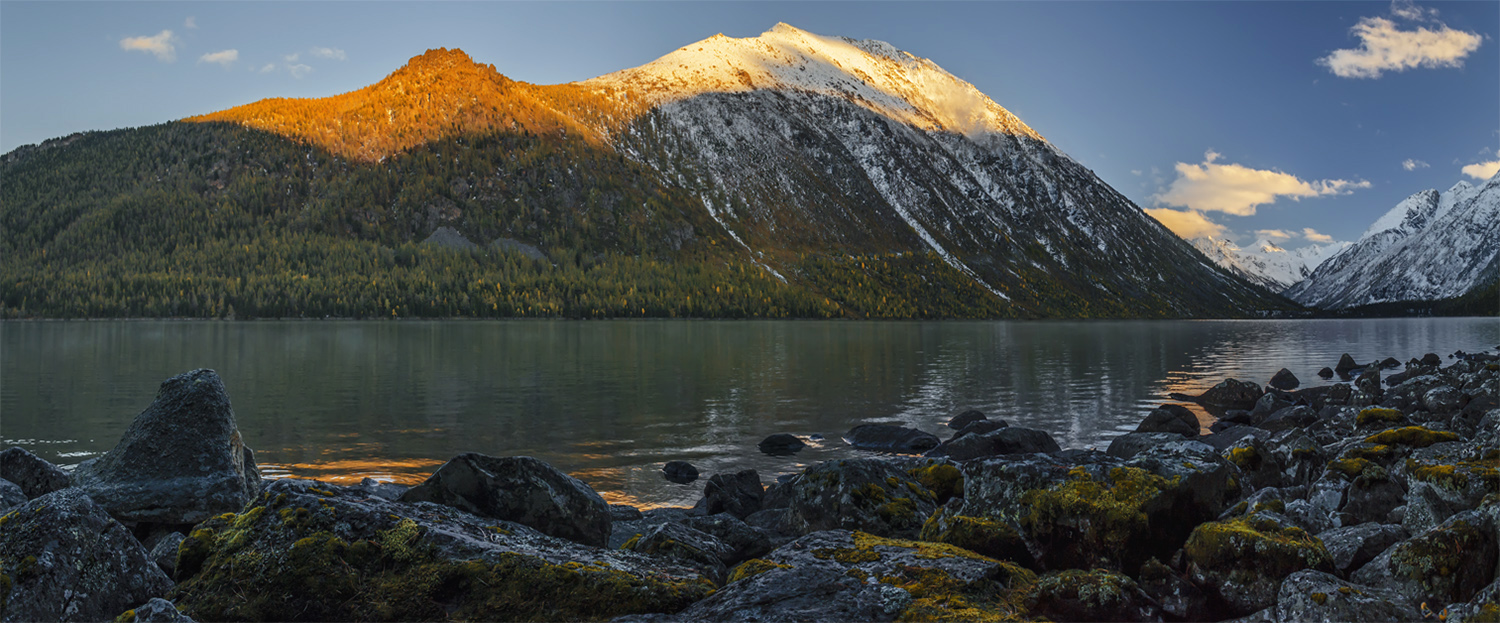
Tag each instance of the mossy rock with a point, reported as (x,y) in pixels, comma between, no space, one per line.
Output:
(1412,436)
(867,495)
(1447,564)
(1096,595)
(334,554)
(989,537)
(841,575)
(1243,560)
(943,479)
(1376,416)
(1087,520)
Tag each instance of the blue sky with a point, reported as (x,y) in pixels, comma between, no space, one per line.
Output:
(1217,116)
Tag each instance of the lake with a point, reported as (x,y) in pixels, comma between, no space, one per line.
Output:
(609,402)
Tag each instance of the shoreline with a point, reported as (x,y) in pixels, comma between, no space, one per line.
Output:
(1380,494)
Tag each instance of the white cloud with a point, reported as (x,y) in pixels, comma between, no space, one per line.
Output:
(1406,9)
(1482,170)
(1411,165)
(1312,235)
(1135,172)
(292,58)
(1187,224)
(267,68)
(190,23)
(160,45)
(1385,47)
(1235,189)
(329,53)
(1279,234)
(222,57)
(298,70)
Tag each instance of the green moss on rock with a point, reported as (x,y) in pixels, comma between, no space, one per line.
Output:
(945,481)
(1378,416)
(983,536)
(753,567)
(1256,545)
(1413,436)
(1093,519)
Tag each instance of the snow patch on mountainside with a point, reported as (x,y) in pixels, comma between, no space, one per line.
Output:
(1431,246)
(873,74)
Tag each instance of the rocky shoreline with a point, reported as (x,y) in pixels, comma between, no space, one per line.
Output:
(1377,498)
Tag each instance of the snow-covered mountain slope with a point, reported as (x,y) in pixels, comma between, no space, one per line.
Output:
(872,74)
(1266,264)
(1431,246)
(801,143)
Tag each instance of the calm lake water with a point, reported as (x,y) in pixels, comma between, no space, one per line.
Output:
(609,402)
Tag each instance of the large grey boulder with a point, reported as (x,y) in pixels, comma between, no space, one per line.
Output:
(1444,565)
(842,576)
(181,461)
(857,494)
(522,489)
(687,546)
(35,476)
(1353,546)
(1311,595)
(66,559)
(1232,394)
(1131,444)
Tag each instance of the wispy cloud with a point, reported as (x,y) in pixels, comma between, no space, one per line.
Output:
(292,58)
(1482,170)
(1411,164)
(1278,234)
(267,68)
(190,23)
(1384,46)
(329,53)
(1187,224)
(159,45)
(222,57)
(298,70)
(1312,235)
(1236,189)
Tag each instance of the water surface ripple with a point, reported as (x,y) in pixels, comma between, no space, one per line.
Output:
(609,402)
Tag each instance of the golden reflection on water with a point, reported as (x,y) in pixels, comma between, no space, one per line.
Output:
(352,471)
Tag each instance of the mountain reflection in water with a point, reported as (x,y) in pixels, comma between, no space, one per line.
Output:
(609,402)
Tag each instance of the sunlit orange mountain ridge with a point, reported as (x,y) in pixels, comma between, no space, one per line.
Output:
(437,95)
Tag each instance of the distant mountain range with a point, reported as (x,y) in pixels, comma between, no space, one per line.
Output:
(789,174)
(1265,264)
(1433,245)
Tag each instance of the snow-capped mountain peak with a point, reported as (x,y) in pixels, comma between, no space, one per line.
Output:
(873,74)
(1265,263)
(1430,246)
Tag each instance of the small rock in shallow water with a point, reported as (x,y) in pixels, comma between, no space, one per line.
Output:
(1008,440)
(781,444)
(1170,419)
(1326,373)
(681,472)
(738,494)
(966,418)
(1232,394)
(979,428)
(1346,363)
(1284,379)
(888,438)
(521,489)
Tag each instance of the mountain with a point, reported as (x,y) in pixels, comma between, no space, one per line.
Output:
(1265,264)
(1433,245)
(789,174)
